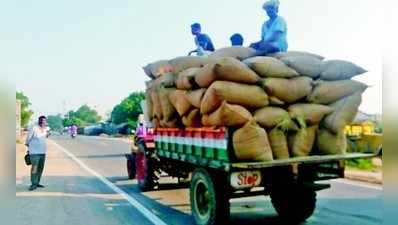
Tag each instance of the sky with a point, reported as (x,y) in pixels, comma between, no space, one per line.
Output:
(63,54)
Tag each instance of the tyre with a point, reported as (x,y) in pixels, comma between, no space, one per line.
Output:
(131,166)
(209,198)
(294,203)
(145,171)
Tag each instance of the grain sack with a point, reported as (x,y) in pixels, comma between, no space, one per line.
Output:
(158,68)
(311,113)
(287,90)
(169,123)
(326,92)
(155,122)
(344,112)
(149,103)
(331,144)
(270,67)
(301,142)
(251,143)
(227,115)
(157,110)
(306,66)
(166,80)
(249,96)
(205,75)
(340,70)
(185,79)
(275,101)
(195,96)
(278,142)
(179,101)
(231,69)
(280,55)
(184,62)
(238,52)
(270,117)
(168,109)
(192,119)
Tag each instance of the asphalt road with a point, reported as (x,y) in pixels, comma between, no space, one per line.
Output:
(83,198)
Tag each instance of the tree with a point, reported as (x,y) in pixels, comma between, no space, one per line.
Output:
(26,113)
(83,116)
(55,122)
(128,110)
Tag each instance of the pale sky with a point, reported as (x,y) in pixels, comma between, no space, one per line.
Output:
(92,51)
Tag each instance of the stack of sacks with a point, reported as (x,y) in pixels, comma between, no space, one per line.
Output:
(289,104)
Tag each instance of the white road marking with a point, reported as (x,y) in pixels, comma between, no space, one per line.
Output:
(148,214)
(358,184)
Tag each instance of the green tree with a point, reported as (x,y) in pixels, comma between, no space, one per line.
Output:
(55,122)
(26,113)
(128,110)
(83,116)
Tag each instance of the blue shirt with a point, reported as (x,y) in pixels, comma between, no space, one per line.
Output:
(209,46)
(279,24)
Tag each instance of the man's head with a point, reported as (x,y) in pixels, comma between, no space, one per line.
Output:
(42,121)
(236,40)
(196,28)
(272,8)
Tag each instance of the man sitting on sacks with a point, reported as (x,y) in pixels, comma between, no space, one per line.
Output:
(273,32)
(202,41)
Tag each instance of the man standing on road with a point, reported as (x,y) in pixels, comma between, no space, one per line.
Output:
(273,32)
(37,148)
(202,41)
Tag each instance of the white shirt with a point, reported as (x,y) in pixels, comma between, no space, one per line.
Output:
(36,140)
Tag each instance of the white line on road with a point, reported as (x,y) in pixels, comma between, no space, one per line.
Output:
(148,214)
(358,184)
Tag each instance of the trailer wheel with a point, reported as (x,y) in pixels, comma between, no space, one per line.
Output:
(209,198)
(293,203)
(145,171)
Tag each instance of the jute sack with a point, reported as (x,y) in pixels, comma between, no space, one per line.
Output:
(185,79)
(249,96)
(227,115)
(306,66)
(166,80)
(311,114)
(326,92)
(251,143)
(278,142)
(238,52)
(169,123)
(270,117)
(280,55)
(231,69)
(157,109)
(205,75)
(344,112)
(270,67)
(195,96)
(158,68)
(192,119)
(179,100)
(226,69)
(149,103)
(331,144)
(288,90)
(301,142)
(340,70)
(184,62)
(275,101)
(168,110)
